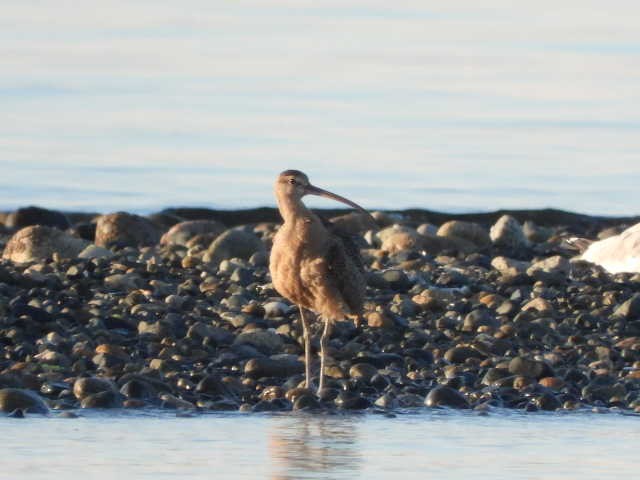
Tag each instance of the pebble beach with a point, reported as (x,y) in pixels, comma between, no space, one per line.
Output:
(176,310)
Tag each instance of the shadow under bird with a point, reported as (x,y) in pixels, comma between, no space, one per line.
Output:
(312,266)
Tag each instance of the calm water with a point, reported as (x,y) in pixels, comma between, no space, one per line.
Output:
(455,106)
(426,445)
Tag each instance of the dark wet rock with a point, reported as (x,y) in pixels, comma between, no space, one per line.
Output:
(181,233)
(104,399)
(443,396)
(10,380)
(17,413)
(242,276)
(86,386)
(387,401)
(271,392)
(38,242)
(384,359)
(276,405)
(306,402)
(630,309)
(507,232)
(138,389)
(363,371)
(529,368)
(328,394)
(496,376)
(460,354)
(27,216)
(171,401)
(292,394)
(478,318)
(212,385)
(548,401)
(233,243)
(351,401)
(396,280)
(67,414)
(21,399)
(123,229)
(134,403)
(603,389)
(279,366)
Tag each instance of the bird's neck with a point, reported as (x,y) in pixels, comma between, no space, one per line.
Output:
(293,209)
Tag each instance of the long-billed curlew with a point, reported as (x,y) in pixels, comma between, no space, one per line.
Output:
(313,267)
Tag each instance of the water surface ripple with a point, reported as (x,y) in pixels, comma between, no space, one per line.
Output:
(437,444)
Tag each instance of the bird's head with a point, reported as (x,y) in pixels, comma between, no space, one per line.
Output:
(293,185)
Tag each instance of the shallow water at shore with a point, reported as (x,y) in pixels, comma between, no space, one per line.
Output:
(442,444)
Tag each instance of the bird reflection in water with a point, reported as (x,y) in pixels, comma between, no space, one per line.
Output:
(314,446)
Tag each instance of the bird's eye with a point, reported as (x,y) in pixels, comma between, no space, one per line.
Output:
(292,181)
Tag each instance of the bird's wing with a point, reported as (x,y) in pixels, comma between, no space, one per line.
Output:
(346,269)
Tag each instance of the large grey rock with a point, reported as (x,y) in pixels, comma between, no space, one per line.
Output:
(398,238)
(472,232)
(182,232)
(20,399)
(233,243)
(527,367)
(200,331)
(550,270)
(37,242)
(460,354)
(443,396)
(125,229)
(509,267)
(266,341)
(507,232)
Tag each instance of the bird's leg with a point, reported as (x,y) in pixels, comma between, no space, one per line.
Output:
(324,340)
(307,349)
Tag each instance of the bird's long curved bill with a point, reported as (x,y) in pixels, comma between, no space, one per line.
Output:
(313,190)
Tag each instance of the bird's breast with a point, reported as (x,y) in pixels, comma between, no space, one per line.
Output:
(297,264)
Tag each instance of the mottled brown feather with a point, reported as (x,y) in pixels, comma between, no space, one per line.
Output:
(346,270)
